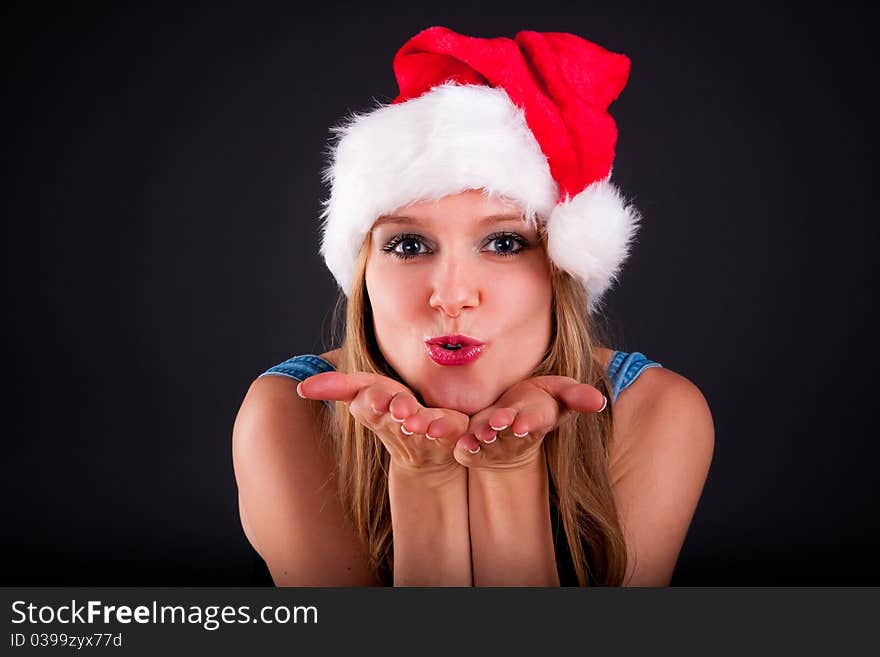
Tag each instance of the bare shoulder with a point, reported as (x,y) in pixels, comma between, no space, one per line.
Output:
(287,497)
(332,357)
(273,416)
(661,405)
(663,445)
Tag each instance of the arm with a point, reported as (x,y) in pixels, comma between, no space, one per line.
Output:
(290,510)
(427,488)
(429,518)
(663,448)
(509,506)
(511,536)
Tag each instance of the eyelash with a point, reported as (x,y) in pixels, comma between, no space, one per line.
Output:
(397,239)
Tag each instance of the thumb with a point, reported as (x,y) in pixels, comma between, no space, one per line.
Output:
(334,386)
(582,398)
(578,397)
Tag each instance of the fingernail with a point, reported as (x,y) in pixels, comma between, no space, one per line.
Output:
(408,433)
(430,437)
(475,451)
(494,438)
(520,435)
(498,428)
(298,390)
(604,404)
(396,419)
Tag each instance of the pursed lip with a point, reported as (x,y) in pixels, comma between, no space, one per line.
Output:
(464,340)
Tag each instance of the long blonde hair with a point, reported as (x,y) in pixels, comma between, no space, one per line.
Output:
(576,452)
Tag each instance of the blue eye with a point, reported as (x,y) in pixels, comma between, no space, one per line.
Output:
(510,241)
(413,245)
(407,241)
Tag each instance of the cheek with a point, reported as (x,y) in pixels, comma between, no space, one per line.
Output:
(524,292)
(522,305)
(393,297)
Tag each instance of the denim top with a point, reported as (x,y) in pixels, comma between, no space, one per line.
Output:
(623,369)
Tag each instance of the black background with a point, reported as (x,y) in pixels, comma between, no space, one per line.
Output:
(163,188)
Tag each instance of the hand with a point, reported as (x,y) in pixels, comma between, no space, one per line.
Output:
(508,434)
(416,437)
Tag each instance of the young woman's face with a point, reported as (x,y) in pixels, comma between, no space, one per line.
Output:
(462,265)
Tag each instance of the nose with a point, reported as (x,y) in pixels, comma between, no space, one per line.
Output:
(455,287)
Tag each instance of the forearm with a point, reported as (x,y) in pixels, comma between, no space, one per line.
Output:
(511,534)
(429,520)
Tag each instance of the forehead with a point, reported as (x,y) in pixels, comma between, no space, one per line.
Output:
(469,210)
(475,221)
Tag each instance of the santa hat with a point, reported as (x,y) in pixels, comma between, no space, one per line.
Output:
(523,118)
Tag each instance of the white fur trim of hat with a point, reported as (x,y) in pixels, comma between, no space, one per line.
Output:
(455,138)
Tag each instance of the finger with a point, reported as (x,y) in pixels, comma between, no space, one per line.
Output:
(468,445)
(335,386)
(583,398)
(485,434)
(479,422)
(447,426)
(378,397)
(439,428)
(419,422)
(529,422)
(575,396)
(501,418)
(370,403)
(486,424)
(402,405)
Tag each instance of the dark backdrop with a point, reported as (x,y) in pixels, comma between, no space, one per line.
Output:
(163,188)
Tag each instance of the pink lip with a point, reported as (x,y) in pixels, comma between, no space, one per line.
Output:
(458,338)
(471,349)
(463,356)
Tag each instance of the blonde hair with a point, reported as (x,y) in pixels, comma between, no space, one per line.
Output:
(576,452)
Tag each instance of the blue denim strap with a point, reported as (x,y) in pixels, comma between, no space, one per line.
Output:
(624,368)
(301,368)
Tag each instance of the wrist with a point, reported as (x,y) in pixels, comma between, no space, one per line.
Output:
(434,475)
(532,463)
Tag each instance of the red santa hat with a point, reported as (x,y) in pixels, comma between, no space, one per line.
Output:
(524,118)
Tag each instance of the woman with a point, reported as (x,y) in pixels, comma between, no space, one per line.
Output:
(480,434)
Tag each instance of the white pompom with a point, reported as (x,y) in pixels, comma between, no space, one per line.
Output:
(590,237)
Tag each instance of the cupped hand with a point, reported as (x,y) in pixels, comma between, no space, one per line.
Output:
(509,433)
(416,437)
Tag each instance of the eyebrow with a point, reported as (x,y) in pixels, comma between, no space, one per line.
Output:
(403,219)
